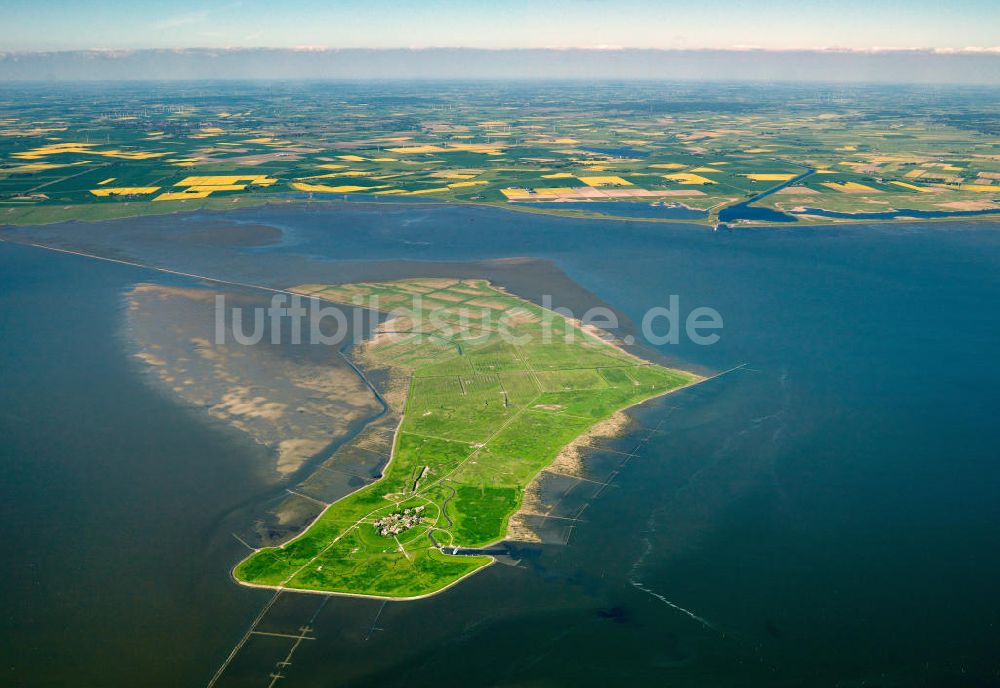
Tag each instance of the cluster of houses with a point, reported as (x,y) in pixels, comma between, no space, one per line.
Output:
(401,521)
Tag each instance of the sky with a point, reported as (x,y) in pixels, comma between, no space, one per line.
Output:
(946,25)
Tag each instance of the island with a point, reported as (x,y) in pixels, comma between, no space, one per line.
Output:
(489,389)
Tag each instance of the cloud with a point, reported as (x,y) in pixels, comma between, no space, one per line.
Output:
(181,20)
(976,65)
(969,50)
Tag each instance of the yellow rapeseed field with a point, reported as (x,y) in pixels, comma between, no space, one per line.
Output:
(515,193)
(37,166)
(125,191)
(227,180)
(848,187)
(324,188)
(911,186)
(82,149)
(979,187)
(768,177)
(604,181)
(418,149)
(488,149)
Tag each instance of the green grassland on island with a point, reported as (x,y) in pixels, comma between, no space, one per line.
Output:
(490,388)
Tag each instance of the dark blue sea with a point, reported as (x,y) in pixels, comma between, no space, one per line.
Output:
(828,514)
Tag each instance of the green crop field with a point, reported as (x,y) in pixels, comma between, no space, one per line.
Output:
(602,151)
(495,387)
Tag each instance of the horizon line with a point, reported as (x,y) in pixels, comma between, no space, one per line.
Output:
(874,50)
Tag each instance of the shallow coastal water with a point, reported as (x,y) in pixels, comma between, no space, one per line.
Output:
(826,515)
(903,213)
(665,211)
(113,496)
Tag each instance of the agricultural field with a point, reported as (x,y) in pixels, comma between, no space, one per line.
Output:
(489,389)
(565,149)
